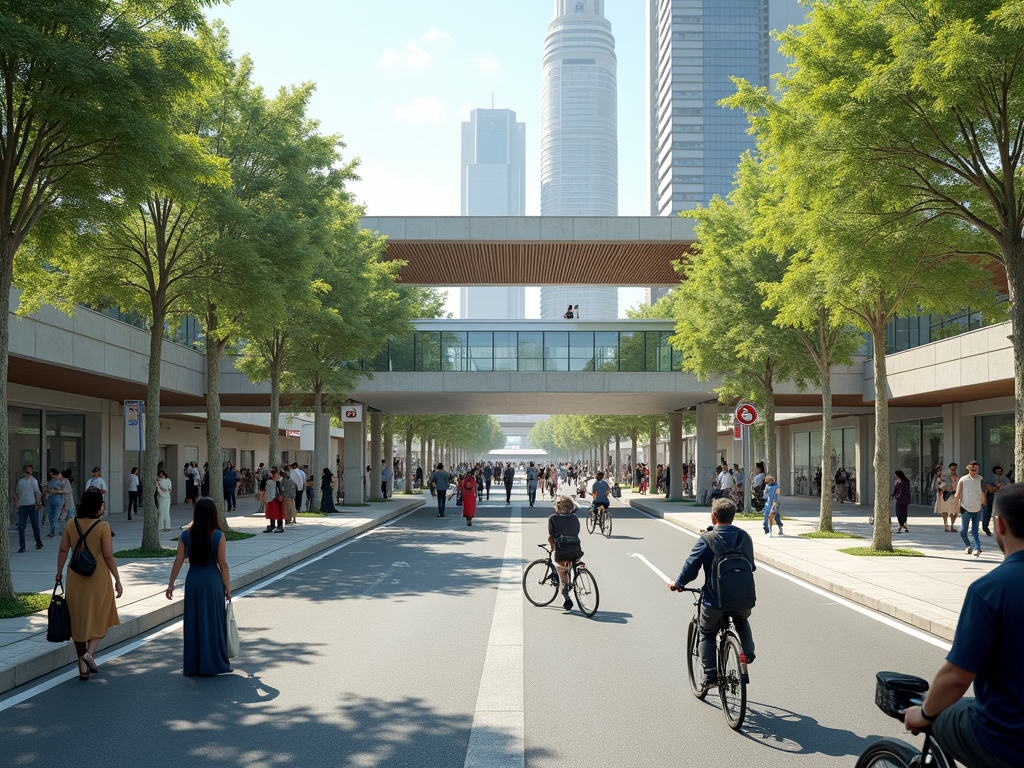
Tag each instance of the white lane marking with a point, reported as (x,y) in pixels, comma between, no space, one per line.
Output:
(384,577)
(650,565)
(498,736)
(863,610)
(53,682)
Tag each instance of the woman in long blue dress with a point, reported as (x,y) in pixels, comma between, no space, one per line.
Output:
(327,492)
(207,586)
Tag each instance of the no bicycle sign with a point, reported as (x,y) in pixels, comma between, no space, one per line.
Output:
(746,414)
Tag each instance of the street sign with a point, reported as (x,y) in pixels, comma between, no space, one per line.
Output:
(746,414)
(134,425)
(352,413)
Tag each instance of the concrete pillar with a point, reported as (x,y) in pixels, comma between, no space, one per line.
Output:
(388,456)
(618,459)
(866,460)
(321,453)
(706,456)
(783,473)
(354,460)
(375,445)
(652,462)
(675,456)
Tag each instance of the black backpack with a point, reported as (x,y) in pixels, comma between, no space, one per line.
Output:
(732,574)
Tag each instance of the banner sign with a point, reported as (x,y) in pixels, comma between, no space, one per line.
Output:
(293,433)
(351,413)
(134,425)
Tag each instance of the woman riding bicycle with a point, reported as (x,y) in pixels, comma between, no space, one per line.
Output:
(564,539)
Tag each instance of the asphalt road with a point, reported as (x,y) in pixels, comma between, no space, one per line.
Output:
(375,656)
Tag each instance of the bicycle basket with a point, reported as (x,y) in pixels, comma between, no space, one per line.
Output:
(894,692)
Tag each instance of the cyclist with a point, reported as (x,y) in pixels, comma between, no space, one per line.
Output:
(988,730)
(564,539)
(599,490)
(723,512)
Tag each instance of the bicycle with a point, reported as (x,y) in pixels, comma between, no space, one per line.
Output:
(541,583)
(600,516)
(732,666)
(893,694)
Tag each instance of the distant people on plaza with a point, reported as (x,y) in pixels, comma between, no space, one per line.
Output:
(740,478)
(531,483)
(204,483)
(275,503)
(29,498)
(96,482)
(772,505)
(207,586)
(901,493)
(287,488)
(440,480)
(488,474)
(133,492)
(839,489)
(468,486)
(327,492)
(299,476)
(970,497)
(191,491)
(569,315)
(385,478)
(308,486)
(163,500)
(69,495)
(552,481)
(230,486)
(418,477)
(992,487)
(945,503)
(90,598)
(508,478)
(54,501)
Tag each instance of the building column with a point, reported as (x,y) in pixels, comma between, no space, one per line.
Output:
(706,455)
(618,459)
(373,491)
(355,460)
(321,453)
(866,460)
(675,456)
(389,450)
(783,473)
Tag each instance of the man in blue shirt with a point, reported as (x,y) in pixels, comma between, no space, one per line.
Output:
(599,491)
(723,512)
(988,730)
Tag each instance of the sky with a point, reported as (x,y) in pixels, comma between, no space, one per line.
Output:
(397,77)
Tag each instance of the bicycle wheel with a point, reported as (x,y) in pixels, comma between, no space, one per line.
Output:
(540,582)
(591,521)
(888,753)
(587,596)
(694,666)
(731,687)
(608,523)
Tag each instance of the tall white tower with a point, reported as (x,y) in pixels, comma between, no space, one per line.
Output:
(579,164)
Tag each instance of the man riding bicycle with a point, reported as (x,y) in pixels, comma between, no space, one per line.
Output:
(599,491)
(986,731)
(564,539)
(724,537)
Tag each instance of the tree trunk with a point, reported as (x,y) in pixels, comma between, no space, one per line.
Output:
(827,473)
(634,436)
(275,408)
(652,459)
(770,448)
(409,471)
(6,272)
(214,349)
(318,460)
(1013,259)
(882,537)
(151,456)
(618,457)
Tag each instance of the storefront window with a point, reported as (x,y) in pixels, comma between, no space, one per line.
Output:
(995,435)
(916,449)
(807,477)
(23,427)
(64,441)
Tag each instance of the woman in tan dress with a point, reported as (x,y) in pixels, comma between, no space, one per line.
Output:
(90,598)
(949,509)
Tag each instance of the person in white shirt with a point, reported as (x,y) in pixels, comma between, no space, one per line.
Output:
(28,497)
(133,492)
(299,477)
(96,482)
(970,495)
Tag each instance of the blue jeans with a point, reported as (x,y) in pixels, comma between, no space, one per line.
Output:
(970,518)
(54,503)
(29,511)
(778,518)
(532,493)
(986,512)
(442,496)
(229,499)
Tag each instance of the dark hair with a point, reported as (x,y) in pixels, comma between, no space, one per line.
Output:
(134,470)
(204,523)
(328,473)
(996,467)
(599,476)
(953,464)
(724,510)
(899,473)
(1009,506)
(95,469)
(160,472)
(54,472)
(91,504)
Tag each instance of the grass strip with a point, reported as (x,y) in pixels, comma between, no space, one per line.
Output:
(139,552)
(829,535)
(311,514)
(23,604)
(870,552)
(237,535)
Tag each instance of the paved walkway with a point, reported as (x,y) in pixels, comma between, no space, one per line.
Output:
(24,652)
(926,592)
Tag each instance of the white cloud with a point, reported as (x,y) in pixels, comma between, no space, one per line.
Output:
(487,65)
(425,109)
(386,193)
(411,57)
(435,35)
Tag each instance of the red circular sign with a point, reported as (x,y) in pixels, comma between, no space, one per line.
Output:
(746,414)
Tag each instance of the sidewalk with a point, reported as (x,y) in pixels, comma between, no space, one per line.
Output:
(24,652)
(925,592)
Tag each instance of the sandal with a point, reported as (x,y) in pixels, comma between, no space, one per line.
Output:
(90,663)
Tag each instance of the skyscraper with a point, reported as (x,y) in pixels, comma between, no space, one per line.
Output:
(579,137)
(694,47)
(493,184)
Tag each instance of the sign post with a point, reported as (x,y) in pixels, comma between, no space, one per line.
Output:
(746,415)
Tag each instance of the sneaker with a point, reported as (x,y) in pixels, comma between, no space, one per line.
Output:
(781,533)
(39,545)
(567,605)
(967,551)
(768,534)
(709,684)
(977,553)
(21,550)
(50,535)
(988,533)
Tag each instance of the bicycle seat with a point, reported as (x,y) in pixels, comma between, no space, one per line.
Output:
(894,692)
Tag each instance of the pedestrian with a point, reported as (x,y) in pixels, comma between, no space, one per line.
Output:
(299,477)
(54,501)
(133,492)
(230,486)
(207,586)
(204,484)
(970,497)
(308,486)
(945,503)
(569,315)
(327,492)
(901,492)
(69,495)
(287,489)
(440,480)
(190,486)
(531,483)
(90,598)
(991,489)
(275,507)
(839,489)
(163,500)
(469,488)
(97,482)
(385,478)
(772,507)
(508,478)
(29,499)
(488,476)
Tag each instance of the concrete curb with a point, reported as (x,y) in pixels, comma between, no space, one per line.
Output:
(34,657)
(852,589)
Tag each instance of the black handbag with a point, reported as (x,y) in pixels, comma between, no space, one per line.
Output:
(82,561)
(58,618)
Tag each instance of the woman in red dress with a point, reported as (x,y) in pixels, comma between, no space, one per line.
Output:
(468,488)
